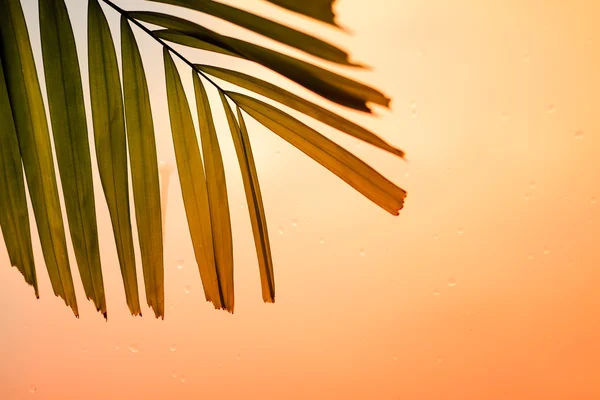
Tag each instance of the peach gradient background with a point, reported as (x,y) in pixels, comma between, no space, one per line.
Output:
(496,104)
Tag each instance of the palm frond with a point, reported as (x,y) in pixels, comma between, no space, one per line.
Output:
(124,134)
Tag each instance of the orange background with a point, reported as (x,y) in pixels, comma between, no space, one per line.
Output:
(485,287)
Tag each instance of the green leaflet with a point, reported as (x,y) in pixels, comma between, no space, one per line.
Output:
(69,127)
(193,183)
(34,142)
(298,103)
(174,36)
(327,84)
(321,10)
(217,193)
(111,151)
(335,158)
(144,168)
(268,28)
(258,219)
(14,218)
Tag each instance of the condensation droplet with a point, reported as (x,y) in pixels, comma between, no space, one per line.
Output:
(172,348)
(532,185)
(32,389)
(526,58)
(527,196)
(451,282)
(117,348)
(321,241)
(294,222)
(546,250)
(180,264)
(171,306)
(578,135)
(436,236)
(182,379)
(357,145)
(280,230)
(84,350)
(134,349)
(460,231)
(436,292)
(362,252)
(187,289)
(550,109)
(174,374)
(406,174)
(593,200)
(238,357)
(530,257)
(277,154)
(440,359)
(395,357)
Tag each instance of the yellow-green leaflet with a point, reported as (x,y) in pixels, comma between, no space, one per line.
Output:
(268,28)
(258,219)
(193,183)
(321,10)
(217,194)
(111,151)
(34,141)
(144,169)
(344,164)
(14,218)
(69,128)
(298,103)
(332,86)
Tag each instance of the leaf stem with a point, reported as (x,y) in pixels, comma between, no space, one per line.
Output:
(165,45)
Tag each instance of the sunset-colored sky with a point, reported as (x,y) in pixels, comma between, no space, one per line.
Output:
(487,286)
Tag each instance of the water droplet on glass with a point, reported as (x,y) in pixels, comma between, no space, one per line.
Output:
(593,200)
(32,389)
(172,348)
(546,251)
(171,306)
(294,222)
(187,289)
(531,184)
(451,282)
(134,349)
(321,241)
(174,374)
(117,348)
(238,357)
(395,357)
(527,196)
(362,252)
(440,359)
(436,292)
(84,350)
(550,109)
(530,257)
(460,231)
(578,135)
(277,154)
(180,264)
(280,230)
(406,174)
(436,236)
(357,145)
(182,379)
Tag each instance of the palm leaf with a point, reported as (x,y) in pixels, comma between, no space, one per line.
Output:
(14,218)
(111,152)
(271,29)
(193,183)
(258,219)
(123,129)
(144,168)
(69,128)
(217,194)
(34,143)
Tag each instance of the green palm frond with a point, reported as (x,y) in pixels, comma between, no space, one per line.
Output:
(123,134)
